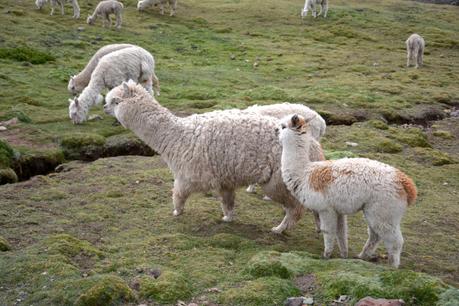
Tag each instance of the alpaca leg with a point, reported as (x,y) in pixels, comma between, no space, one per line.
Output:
(161,9)
(342,235)
(227,204)
(292,215)
(251,188)
(76,9)
(393,241)
(325,7)
(420,58)
(109,19)
(118,21)
(408,56)
(179,197)
(316,221)
(370,246)
(329,224)
(62,7)
(173,8)
(156,85)
(320,12)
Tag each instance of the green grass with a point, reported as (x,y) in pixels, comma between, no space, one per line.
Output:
(90,234)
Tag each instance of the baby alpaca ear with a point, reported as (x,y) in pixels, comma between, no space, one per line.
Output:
(125,87)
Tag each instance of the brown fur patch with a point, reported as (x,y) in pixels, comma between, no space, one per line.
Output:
(321,153)
(320,178)
(407,188)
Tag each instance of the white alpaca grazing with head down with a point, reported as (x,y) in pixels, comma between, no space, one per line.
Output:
(415,50)
(345,186)
(78,82)
(220,150)
(129,63)
(104,9)
(143,4)
(76,7)
(311,5)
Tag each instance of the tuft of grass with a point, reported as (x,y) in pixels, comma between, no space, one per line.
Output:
(267,264)
(6,154)
(15,113)
(8,176)
(26,54)
(4,245)
(168,288)
(107,290)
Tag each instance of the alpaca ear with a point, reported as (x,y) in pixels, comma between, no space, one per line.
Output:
(125,87)
(295,120)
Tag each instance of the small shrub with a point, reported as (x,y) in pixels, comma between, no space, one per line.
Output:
(6,154)
(108,290)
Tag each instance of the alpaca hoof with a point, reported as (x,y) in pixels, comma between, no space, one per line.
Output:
(176,212)
(277,230)
(344,255)
(227,218)
(326,255)
(266,198)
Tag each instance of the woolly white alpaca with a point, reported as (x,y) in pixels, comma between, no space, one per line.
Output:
(283,109)
(311,5)
(104,9)
(345,186)
(220,150)
(415,50)
(129,63)
(143,4)
(78,82)
(76,7)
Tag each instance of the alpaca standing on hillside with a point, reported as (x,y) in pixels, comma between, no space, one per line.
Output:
(104,9)
(415,50)
(129,63)
(311,5)
(76,7)
(143,4)
(220,150)
(78,82)
(346,186)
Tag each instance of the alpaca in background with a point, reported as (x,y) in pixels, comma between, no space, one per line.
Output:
(104,9)
(415,50)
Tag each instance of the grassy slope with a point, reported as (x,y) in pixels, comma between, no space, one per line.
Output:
(354,59)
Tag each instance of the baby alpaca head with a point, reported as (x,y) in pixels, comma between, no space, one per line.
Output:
(40,3)
(76,112)
(141,5)
(90,20)
(293,125)
(116,95)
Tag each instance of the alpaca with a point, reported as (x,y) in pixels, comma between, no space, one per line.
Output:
(129,63)
(415,50)
(345,186)
(312,6)
(220,150)
(104,9)
(281,110)
(143,4)
(78,82)
(76,7)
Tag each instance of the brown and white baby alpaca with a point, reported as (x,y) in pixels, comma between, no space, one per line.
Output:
(346,186)
(104,9)
(415,50)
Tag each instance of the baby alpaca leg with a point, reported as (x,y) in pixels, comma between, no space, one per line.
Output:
(325,8)
(393,241)
(292,215)
(118,21)
(173,6)
(420,57)
(62,6)
(329,224)
(161,9)
(316,221)
(370,246)
(227,204)
(179,197)
(342,235)
(408,56)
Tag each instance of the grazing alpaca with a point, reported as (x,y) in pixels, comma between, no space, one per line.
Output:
(346,186)
(415,50)
(220,150)
(143,4)
(311,5)
(78,82)
(129,63)
(76,7)
(104,9)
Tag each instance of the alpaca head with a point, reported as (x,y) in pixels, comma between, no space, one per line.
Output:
(40,3)
(141,5)
(72,86)
(76,111)
(90,20)
(293,126)
(116,95)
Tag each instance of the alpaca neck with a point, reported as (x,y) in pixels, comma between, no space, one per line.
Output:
(151,122)
(295,154)
(90,94)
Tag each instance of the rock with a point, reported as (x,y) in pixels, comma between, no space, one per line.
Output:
(99,38)
(299,301)
(369,301)
(3,128)
(12,121)
(232,57)
(255,65)
(80,29)
(213,290)
(193,304)
(351,144)
(155,272)
(455,113)
(95,117)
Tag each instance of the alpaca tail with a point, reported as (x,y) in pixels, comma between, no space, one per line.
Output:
(409,188)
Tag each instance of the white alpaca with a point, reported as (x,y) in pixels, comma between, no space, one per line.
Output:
(76,7)
(143,4)
(129,63)
(220,150)
(78,82)
(311,5)
(415,50)
(283,109)
(345,186)
(104,9)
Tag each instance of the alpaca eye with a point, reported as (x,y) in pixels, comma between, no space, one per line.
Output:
(283,126)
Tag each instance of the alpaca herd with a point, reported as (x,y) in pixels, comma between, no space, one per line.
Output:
(276,146)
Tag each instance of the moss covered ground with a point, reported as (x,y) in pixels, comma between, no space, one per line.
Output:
(98,233)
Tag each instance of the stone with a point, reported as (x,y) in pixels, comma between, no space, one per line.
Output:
(351,144)
(369,301)
(3,128)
